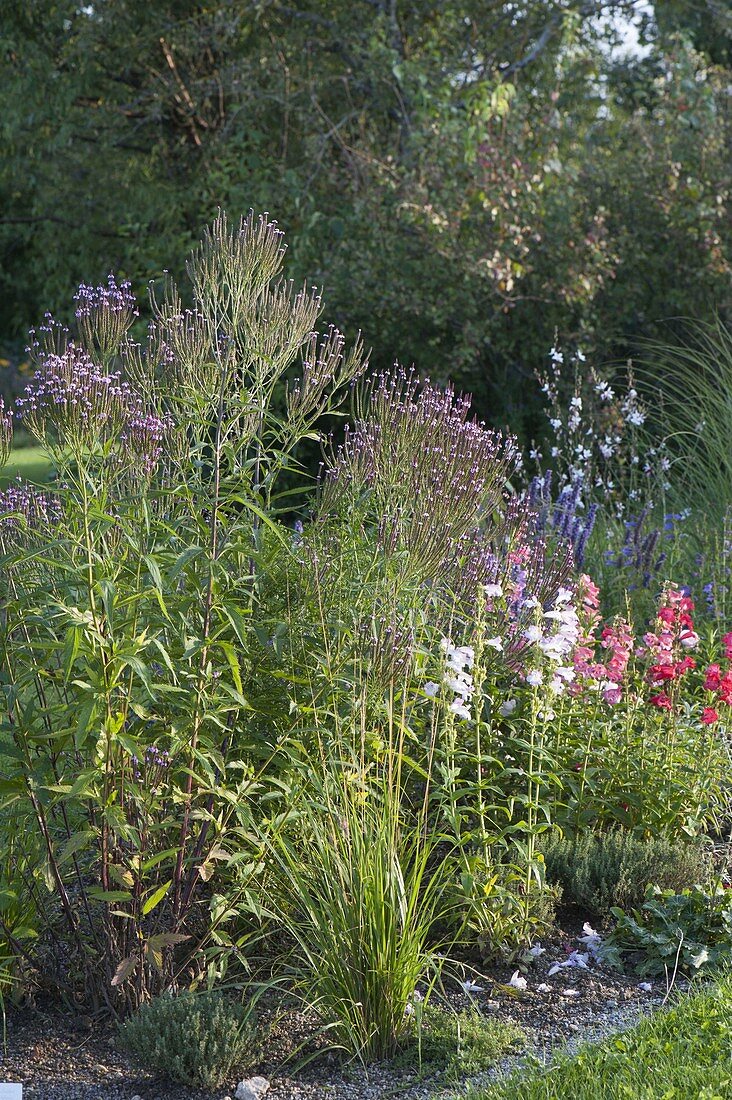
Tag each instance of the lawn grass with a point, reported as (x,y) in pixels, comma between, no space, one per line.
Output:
(29,463)
(684,1053)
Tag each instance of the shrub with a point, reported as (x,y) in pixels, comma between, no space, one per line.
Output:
(195,1038)
(601,870)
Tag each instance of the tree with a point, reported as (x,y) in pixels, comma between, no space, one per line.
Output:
(464,177)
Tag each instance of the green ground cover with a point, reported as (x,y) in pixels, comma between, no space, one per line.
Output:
(679,1054)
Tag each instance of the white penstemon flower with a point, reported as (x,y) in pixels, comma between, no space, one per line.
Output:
(555,640)
(459,661)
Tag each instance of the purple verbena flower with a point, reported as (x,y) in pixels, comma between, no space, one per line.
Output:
(143,436)
(73,401)
(104,314)
(22,508)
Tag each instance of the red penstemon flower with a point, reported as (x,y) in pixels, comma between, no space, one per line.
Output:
(709,716)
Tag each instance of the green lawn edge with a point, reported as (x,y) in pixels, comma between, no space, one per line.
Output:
(29,463)
(683,1052)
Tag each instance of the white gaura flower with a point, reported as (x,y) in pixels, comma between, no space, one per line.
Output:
(532,633)
(517,981)
(431,689)
(507,707)
(535,677)
(493,591)
(495,643)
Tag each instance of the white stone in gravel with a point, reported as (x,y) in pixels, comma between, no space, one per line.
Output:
(251,1089)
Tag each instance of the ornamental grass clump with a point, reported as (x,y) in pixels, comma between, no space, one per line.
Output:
(359,889)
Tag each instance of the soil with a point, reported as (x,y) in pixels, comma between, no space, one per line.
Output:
(59,1056)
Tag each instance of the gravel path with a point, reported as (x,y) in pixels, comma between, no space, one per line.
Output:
(58,1057)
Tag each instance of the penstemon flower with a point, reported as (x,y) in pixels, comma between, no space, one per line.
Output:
(457,678)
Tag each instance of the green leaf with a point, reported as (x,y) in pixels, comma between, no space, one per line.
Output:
(75,843)
(109,896)
(155,898)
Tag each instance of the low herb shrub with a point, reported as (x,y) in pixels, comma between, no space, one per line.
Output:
(459,1044)
(195,1038)
(687,931)
(598,871)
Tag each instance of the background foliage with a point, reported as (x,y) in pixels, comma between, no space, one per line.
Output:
(464,177)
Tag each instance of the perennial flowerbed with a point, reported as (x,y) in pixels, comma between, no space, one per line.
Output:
(265,731)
